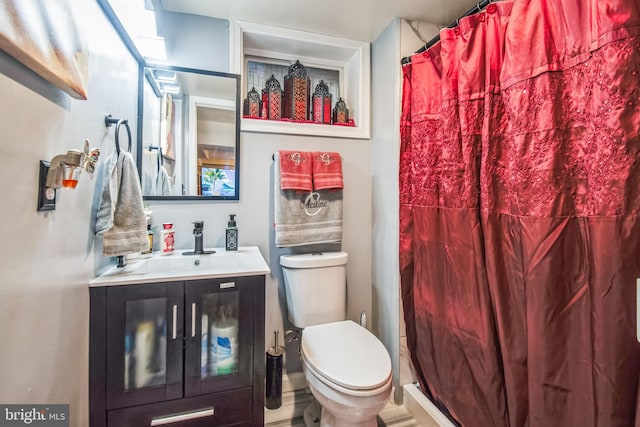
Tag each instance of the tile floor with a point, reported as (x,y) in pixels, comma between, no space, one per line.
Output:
(391,416)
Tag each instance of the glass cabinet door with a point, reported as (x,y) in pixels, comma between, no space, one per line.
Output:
(144,329)
(219,335)
(145,343)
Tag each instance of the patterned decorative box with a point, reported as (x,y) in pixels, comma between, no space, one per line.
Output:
(297,87)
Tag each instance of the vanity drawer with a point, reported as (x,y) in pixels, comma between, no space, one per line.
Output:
(230,408)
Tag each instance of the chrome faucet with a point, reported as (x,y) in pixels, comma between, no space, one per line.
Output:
(198,234)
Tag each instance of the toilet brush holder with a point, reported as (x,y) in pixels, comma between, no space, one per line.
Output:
(273,389)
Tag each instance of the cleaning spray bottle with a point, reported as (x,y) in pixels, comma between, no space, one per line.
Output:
(231,241)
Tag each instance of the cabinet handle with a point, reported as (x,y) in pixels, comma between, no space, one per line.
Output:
(171,419)
(175,321)
(193,319)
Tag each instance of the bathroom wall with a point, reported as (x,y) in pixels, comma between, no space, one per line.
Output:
(47,259)
(254,217)
(399,39)
(195,41)
(254,210)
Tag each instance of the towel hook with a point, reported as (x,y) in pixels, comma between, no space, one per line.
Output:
(109,120)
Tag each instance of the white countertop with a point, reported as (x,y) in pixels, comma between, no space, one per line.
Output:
(246,261)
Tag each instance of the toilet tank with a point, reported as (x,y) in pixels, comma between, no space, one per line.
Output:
(316,287)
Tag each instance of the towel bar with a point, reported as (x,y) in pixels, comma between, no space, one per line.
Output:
(108,121)
(273,156)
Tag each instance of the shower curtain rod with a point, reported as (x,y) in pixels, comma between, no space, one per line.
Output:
(475,9)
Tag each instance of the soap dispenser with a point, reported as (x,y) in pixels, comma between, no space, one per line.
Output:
(231,241)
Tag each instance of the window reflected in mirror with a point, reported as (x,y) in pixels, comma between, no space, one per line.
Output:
(190,134)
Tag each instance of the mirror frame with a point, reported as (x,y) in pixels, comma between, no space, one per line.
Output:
(128,42)
(139,146)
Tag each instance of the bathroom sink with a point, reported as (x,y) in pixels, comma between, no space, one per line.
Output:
(246,261)
(178,263)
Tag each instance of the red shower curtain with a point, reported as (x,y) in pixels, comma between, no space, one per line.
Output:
(519,203)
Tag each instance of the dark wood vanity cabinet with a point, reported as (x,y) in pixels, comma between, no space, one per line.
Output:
(187,353)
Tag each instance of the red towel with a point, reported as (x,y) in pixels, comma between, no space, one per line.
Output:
(327,171)
(295,170)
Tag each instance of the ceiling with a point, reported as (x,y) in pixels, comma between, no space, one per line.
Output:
(361,20)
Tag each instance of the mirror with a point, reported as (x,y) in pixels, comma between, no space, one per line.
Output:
(189,119)
(190,133)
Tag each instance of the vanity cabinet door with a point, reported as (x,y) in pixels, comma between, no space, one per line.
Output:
(219,316)
(144,352)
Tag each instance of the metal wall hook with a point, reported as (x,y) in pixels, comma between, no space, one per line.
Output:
(109,120)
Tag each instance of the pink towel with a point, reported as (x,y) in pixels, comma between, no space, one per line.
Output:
(327,171)
(295,170)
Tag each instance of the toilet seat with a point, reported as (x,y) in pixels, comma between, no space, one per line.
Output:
(346,356)
(347,391)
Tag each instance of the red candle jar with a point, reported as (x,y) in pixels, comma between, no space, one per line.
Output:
(253,104)
(272,99)
(321,102)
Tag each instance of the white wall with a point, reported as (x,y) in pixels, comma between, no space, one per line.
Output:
(385,60)
(254,210)
(399,39)
(255,219)
(47,259)
(194,41)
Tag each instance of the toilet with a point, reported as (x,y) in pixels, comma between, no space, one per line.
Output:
(346,367)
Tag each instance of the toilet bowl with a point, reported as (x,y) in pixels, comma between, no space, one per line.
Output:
(348,370)
(346,367)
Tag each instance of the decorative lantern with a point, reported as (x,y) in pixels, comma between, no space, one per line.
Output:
(272,99)
(296,93)
(253,104)
(321,101)
(341,112)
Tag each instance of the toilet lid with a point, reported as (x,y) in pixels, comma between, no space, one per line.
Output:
(346,354)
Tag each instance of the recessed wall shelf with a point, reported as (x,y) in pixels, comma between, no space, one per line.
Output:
(273,45)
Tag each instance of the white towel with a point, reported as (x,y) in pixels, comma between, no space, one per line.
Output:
(120,219)
(155,178)
(303,218)
(149,172)
(163,184)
